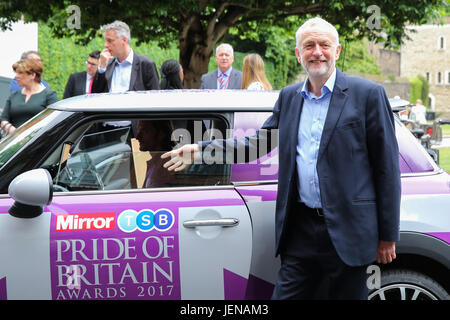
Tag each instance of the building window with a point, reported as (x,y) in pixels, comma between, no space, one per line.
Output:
(448,77)
(427,75)
(439,78)
(441,43)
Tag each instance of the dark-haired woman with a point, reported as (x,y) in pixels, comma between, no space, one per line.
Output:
(171,75)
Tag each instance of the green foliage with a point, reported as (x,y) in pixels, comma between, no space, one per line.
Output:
(425,89)
(197,26)
(355,57)
(415,91)
(444,159)
(418,90)
(62,57)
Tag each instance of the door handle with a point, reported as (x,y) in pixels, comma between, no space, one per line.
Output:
(225,222)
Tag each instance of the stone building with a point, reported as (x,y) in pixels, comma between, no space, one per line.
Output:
(426,54)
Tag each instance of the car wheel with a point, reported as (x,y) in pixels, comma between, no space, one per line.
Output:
(408,285)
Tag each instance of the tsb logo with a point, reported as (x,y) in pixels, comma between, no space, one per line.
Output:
(85,221)
(145,220)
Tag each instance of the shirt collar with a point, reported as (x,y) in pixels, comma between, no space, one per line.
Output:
(128,60)
(227,73)
(327,87)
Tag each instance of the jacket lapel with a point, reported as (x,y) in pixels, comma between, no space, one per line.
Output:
(233,84)
(82,83)
(134,71)
(213,79)
(295,114)
(335,108)
(109,73)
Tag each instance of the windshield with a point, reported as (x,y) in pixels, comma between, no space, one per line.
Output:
(14,142)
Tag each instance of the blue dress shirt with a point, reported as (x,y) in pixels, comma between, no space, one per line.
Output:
(310,129)
(121,77)
(120,81)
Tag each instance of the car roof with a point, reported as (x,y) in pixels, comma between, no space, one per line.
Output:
(398,104)
(171,100)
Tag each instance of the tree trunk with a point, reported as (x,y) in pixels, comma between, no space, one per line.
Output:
(195,63)
(197,42)
(195,51)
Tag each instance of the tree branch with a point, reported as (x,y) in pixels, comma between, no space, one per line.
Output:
(261,14)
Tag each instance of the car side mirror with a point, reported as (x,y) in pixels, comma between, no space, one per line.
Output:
(31,190)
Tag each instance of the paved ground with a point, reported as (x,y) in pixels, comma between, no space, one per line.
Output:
(445,143)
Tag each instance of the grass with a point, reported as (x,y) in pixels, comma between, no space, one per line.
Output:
(444,153)
(445,130)
(444,159)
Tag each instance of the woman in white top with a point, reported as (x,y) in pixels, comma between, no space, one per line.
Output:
(253,73)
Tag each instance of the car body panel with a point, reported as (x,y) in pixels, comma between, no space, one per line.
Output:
(121,260)
(204,262)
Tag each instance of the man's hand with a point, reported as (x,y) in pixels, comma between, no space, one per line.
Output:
(386,252)
(182,157)
(105,56)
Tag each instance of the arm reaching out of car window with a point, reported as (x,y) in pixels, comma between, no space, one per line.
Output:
(182,157)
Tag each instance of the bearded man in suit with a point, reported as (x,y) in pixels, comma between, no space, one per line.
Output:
(339,189)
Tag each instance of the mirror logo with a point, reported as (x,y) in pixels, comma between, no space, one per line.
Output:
(85,221)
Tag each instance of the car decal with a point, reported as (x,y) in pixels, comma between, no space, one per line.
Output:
(444,236)
(134,257)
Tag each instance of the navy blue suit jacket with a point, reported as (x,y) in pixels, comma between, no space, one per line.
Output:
(357,166)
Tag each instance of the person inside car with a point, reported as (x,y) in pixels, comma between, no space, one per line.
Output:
(154,136)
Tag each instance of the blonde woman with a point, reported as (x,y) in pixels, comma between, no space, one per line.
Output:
(253,73)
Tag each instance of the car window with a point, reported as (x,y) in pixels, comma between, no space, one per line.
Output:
(126,154)
(413,156)
(11,144)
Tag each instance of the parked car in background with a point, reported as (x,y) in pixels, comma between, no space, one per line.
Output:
(429,134)
(78,224)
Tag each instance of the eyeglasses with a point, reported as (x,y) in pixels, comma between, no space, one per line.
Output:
(90,63)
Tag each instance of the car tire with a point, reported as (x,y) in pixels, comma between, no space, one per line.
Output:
(408,285)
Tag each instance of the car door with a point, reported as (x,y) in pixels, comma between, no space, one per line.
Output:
(104,239)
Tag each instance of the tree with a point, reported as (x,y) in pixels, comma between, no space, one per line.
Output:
(198,25)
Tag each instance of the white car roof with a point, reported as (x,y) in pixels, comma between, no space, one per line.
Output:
(174,100)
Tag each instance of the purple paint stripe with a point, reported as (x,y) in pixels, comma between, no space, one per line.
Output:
(258,193)
(444,236)
(234,285)
(3,295)
(258,289)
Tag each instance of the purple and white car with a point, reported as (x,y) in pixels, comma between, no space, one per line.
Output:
(78,224)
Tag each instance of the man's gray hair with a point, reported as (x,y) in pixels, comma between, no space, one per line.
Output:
(27,53)
(313,22)
(121,29)
(226,47)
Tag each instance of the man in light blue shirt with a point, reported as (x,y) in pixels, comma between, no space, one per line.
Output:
(122,74)
(339,187)
(120,68)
